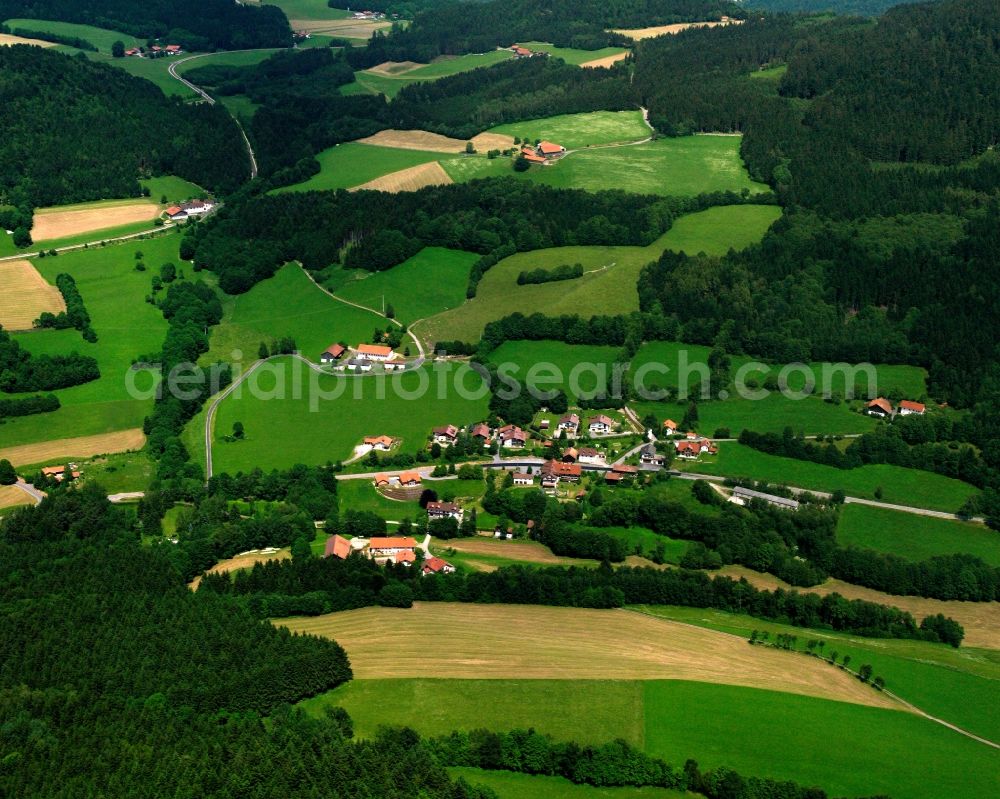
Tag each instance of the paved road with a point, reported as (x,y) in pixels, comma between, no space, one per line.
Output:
(30,490)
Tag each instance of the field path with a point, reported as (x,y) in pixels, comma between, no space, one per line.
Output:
(164,228)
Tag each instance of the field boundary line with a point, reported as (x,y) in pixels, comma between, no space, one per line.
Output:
(912,708)
(168,226)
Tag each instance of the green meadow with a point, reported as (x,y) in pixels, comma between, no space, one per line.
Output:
(574,131)
(683,166)
(360,494)
(899,485)
(508,785)
(608,286)
(915,537)
(127,327)
(579,367)
(866,750)
(288,304)
(175,189)
(958,685)
(323,417)
(352,164)
(309,9)
(431,282)
(771,73)
(367,82)
(572,55)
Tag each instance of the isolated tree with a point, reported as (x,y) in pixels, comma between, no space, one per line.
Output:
(865,672)
(168,273)
(22,237)
(470,148)
(470,523)
(390,312)
(262,352)
(118,49)
(8,476)
(521,164)
(238,432)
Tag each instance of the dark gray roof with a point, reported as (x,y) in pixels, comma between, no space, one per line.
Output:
(774,499)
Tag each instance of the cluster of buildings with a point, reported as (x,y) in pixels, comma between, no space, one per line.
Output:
(156,51)
(193,208)
(524,52)
(58,473)
(398,549)
(401,480)
(599,425)
(883,408)
(370,16)
(364,358)
(692,446)
(545,153)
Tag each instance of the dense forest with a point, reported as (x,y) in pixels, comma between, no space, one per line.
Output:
(197,24)
(74,130)
(864,8)
(452,28)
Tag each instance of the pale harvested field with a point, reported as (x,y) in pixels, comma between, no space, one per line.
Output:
(648,33)
(415,140)
(347,28)
(981,620)
(416,177)
(492,141)
(390,69)
(25,294)
(81,447)
(453,640)
(605,62)
(7,39)
(241,562)
(12,496)
(56,223)
(514,550)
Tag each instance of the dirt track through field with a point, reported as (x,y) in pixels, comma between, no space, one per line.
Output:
(81,447)
(7,39)
(246,561)
(529,642)
(12,496)
(55,224)
(981,620)
(416,177)
(25,295)
(607,61)
(648,33)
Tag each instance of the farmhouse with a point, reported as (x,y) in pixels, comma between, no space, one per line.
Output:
(332,353)
(337,547)
(690,449)
(570,423)
(512,437)
(591,456)
(58,473)
(410,479)
(743,496)
(650,456)
(548,149)
(407,557)
(435,565)
(600,424)
(523,479)
(532,157)
(133,51)
(554,470)
(374,352)
(481,432)
(909,407)
(445,435)
(381,443)
(669,427)
(359,364)
(445,510)
(523,52)
(390,547)
(880,407)
(382,481)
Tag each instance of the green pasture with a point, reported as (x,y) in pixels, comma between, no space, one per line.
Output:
(957,685)
(309,9)
(608,286)
(431,282)
(294,415)
(577,369)
(574,131)
(127,327)
(353,163)
(288,304)
(684,166)
(175,189)
(509,785)
(116,474)
(360,494)
(899,485)
(914,537)
(771,73)
(572,55)
(390,85)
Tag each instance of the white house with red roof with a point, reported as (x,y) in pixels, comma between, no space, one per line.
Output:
(880,407)
(445,435)
(374,352)
(911,408)
(512,437)
(389,547)
(332,353)
(434,565)
(600,424)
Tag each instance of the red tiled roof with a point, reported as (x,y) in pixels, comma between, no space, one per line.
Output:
(560,469)
(910,405)
(409,477)
(397,542)
(336,350)
(381,479)
(532,157)
(548,147)
(882,403)
(406,556)
(174,209)
(337,546)
(621,468)
(481,431)
(448,430)
(435,564)
(670,424)
(374,349)
(692,447)
(600,419)
(373,440)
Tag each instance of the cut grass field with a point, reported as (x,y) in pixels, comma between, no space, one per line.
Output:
(288,304)
(510,785)
(638,34)
(574,131)
(361,495)
(412,179)
(241,562)
(13,497)
(7,40)
(126,325)
(958,685)
(352,164)
(25,296)
(532,642)
(431,282)
(609,287)
(580,58)
(385,80)
(581,368)
(420,140)
(338,411)
(481,551)
(64,221)
(78,447)
(914,537)
(899,486)
(981,620)
(683,166)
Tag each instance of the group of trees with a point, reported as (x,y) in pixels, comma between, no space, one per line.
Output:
(75,314)
(27,406)
(21,371)
(561,272)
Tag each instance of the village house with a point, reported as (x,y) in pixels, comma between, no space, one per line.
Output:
(410,479)
(613,478)
(591,456)
(380,443)
(435,565)
(544,424)
(624,469)
(407,557)
(445,435)
(570,423)
(332,353)
(880,407)
(650,457)
(389,547)
(691,449)
(58,473)
(570,455)
(481,432)
(355,364)
(133,51)
(382,481)
(531,156)
(669,427)
(909,407)
(522,52)
(374,352)
(445,510)
(337,547)
(554,471)
(743,496)
(523,479)
(550,150)
(512,437)
(600,424)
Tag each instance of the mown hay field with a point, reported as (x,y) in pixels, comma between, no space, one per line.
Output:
(79,447)
(61,222)
(25,296)
(412,179)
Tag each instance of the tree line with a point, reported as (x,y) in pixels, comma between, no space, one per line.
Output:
(75,314)
(20,371)
(26,406)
